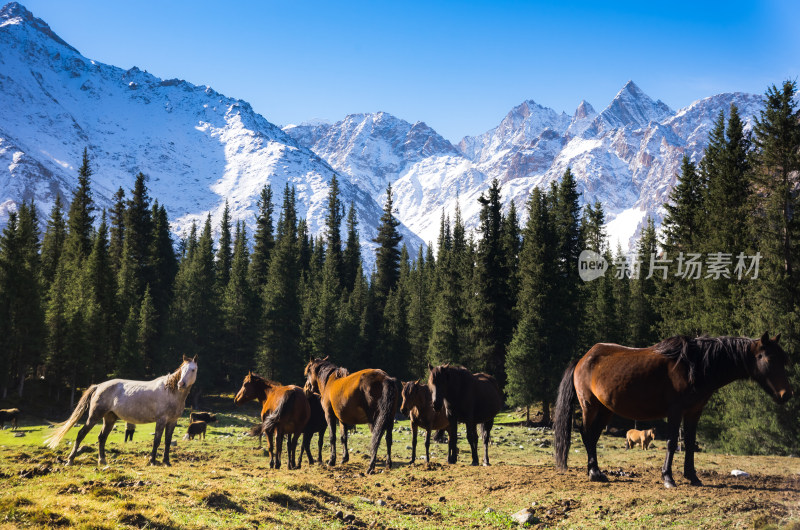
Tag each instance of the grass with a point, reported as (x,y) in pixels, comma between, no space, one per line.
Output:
(226,482)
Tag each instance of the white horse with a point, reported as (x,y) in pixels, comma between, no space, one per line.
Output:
(161,401)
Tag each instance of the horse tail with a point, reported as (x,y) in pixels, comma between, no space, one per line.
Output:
(386,410)
(285,404)
(63,428)
(562,425)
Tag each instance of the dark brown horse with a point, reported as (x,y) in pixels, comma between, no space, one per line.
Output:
(284,410)
(673,379)
(368,396)
(417,404)
(468,398)
(316,425)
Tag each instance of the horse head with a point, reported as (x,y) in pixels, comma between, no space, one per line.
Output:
(406,395)
(312,374)
(769,368)
(437,382)
(253,387)
(188,372)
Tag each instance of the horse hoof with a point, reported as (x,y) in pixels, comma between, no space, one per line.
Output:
(598,477)
(669,483)
(345,459)
(101,462)
(331,462)
(474,463)
(486,464)
(167,463)
(696,482)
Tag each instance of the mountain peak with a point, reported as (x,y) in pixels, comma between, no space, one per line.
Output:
(16,13)
(631,106)
(584,110)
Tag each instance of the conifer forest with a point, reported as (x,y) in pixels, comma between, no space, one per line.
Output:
(89,294)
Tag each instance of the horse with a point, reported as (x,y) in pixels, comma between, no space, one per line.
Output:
(316,425)
(642,438)
(9,415)
(469,398)
(161,400)
(368,396)
(196,428)
(674,379)
(284,409)
(130,429)
(417,404)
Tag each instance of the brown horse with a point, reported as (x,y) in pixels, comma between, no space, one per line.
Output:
(417,404)
(469,398)
(283,409)
(316,425)
(368,396)
(673,379)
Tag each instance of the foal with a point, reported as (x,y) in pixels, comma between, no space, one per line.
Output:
(417,404)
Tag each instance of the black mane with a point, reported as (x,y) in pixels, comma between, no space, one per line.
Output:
(326,369)
(707,356)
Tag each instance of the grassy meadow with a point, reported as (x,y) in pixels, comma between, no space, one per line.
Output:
(225,481)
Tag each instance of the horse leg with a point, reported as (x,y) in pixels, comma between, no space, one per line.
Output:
(389,446)
(345,449)
(689,439)
(94,417)
(427,446)
(295,439)
(595,418)
(329,417)
(414,442)
(377,433)
(320,441)
(278,447)
(673,425)
(486,429)
(304,447)
(452,446)
(472,438)
(160,425)
(108,423)
(271,440)
(168,430)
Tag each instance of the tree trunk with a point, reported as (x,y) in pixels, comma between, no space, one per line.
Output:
(21,384)
(72,392)
(545,412)
(527,414)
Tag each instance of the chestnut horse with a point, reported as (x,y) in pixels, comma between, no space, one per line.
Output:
(674,379)
(368,396)
(161,400)
(469,398)
(417,404)
(283,409)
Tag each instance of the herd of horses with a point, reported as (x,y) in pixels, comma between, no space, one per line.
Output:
(673,379)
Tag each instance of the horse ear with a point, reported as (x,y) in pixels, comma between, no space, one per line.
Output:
(326,358)
(765,338)
(194,359)
(430,367)
(776,338)
(185,358)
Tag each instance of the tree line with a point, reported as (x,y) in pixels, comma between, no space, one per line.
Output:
(104,294)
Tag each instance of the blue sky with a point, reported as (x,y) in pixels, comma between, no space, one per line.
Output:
(458,66)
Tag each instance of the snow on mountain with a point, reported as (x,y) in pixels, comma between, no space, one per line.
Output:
(198,148)
(627,156)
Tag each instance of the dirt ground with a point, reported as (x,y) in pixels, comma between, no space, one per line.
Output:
(226,482)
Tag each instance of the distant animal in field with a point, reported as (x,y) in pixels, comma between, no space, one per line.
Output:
(674,379)
(284,410)
(641,438)
(9,415)
(317,424)
(202,416)
(417,404)
(161,400)
(196,428)
(469,398)
(369,396)
(130,428)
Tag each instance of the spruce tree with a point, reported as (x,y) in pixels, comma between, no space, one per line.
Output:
(387,255)
(263,241)
(238,309)
(225,252)
(352,251)
(53,242)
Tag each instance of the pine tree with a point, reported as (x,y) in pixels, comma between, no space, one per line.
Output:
(117,231)
(644,319)
(238,309)
(224,253)
(53,242)
(352,251)
(387,255)
(101,318)
(263,241)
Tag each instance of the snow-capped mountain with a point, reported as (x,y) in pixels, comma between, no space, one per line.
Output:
(198,148)
(627,156)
